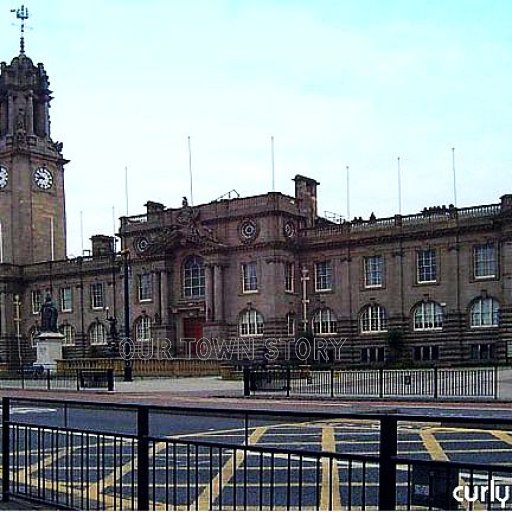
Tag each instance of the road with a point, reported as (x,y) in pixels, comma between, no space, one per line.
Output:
(189,467)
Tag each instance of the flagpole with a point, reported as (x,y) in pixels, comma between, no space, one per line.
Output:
(82,232)
(348,195)
(190,170)
(454,179)
(399,188)
(126,188)
(273,167)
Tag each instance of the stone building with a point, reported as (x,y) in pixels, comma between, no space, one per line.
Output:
(429,287)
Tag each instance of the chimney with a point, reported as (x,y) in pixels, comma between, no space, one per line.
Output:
(102,245)
(305,195)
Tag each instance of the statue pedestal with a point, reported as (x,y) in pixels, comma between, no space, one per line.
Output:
(49,349)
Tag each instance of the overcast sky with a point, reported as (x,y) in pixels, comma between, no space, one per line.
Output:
(336,83)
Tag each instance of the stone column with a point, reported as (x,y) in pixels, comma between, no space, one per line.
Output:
(10,115)
(157,292)
(3,315)
(30,115)
(208,289)
(164,299)
(218,293)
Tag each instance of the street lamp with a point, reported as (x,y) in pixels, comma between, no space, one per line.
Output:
(128,363)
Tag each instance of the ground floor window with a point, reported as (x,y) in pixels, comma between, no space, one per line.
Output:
(482,351)
(426,353)
(372,355)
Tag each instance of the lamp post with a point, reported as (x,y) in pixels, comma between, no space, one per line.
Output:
(128,364)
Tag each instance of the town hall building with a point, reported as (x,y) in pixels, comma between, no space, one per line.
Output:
(433,287)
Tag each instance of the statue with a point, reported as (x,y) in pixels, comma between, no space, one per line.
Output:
(113,333)
(184,202)
(48,315)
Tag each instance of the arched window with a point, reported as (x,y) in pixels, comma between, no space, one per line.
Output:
(193,277)
(250,323)
(485,312)
(324,322)
(143,329)
(373,318)
(428,316)
(97,333)
(68,331)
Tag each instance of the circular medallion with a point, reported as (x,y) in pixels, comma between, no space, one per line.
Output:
(289,229)
(141,244)
(4,177)
(248,230)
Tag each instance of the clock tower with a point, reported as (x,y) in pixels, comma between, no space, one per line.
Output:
(32,206)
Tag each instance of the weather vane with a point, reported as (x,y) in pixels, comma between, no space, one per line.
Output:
(21,14)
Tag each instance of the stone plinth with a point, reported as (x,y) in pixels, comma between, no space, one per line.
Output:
(49,349)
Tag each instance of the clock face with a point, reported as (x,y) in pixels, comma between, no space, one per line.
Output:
(43,178)
(4,177)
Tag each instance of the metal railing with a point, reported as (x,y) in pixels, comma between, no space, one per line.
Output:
(140,468)
(380,383)
(48,380)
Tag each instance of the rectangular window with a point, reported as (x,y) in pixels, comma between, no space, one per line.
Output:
(97,301)
(373,271)
(289,275)
(323,276)
(372,355)
(484,261)
(426,266)
(249,277)
(482,351)
(426,353)
(36,301)
(66,299)
(145,287)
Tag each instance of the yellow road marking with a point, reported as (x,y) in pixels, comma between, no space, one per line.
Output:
(506,437)
(213,489)
(432,445)
(330,473)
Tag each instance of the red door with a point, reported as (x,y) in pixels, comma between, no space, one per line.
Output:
(192,332)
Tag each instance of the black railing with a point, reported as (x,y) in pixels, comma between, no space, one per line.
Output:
(426,383)
(48,380)
(130,464)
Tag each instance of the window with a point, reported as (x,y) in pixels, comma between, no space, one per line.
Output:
(36,301)
(426,266)
(250,323)
(193,277)
(289,274)
(68,331)
(324,322)
(97,334)
(143,329)
(290,321)
(97,301)
(373,318)
(373,271)
(372,355)
(323,276)
(481,351)
(249,277)
(66,299)
(484,261)
(485,312)
(426,353)
(428,316)
(145,287)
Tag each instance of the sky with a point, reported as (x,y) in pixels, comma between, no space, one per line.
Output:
(336,83)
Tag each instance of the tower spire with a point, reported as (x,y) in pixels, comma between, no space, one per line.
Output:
(22,15)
